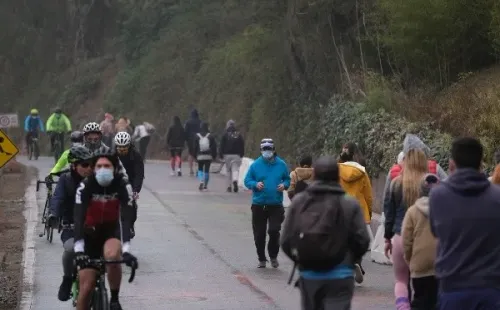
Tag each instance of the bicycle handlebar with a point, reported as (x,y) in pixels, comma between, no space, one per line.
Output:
(101,261)
(38,182)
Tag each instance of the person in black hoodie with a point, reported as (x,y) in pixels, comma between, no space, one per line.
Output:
(205,151)
(465,216)
(134,165)
(61,207)
(192,127)
(232,149)
(176,138)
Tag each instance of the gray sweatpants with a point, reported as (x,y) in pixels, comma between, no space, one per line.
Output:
(326,294)
(67,258)
(233,163)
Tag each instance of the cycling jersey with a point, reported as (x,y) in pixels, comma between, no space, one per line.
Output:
(134,166)
(33,124)
(103,209)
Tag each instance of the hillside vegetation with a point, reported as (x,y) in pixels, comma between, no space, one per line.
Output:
(311,74)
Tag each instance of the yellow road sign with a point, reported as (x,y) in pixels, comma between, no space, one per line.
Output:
(8,149)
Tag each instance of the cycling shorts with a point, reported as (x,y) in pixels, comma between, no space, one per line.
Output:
(95,240)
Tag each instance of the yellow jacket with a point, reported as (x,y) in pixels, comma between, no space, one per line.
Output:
(356,183)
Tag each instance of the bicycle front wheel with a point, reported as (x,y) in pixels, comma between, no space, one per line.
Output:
(100,297)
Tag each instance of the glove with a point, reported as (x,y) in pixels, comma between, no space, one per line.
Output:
(135,195)
(82,260)
(53,221)
(130,260)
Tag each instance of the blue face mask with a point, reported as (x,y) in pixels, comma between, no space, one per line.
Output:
(104,176)
(267,154)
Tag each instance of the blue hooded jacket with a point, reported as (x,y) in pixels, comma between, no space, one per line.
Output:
(33,124)
(272,173)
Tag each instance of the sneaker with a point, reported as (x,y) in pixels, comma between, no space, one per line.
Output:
(358,277)
(275,263)
(235,186)
(64,293)
(201,186)
(262,264)
(115,305)
(229,189)
(172,173)
(179,173)
(205,186)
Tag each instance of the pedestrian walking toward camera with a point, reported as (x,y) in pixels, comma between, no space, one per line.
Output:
(325,235)
(267,177)
(232,149)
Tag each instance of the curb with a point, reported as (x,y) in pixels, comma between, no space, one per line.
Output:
(28,273)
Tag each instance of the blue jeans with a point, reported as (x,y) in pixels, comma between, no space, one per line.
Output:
(471,299)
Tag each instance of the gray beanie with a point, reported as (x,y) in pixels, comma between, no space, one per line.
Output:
(428,182)
(230,123)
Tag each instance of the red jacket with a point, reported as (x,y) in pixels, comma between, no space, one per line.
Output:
(396,169)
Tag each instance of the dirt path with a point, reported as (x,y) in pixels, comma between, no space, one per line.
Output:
(12,189)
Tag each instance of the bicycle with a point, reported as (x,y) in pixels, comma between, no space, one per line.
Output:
(33,148)
(99,299)
(48,231)
(58,146)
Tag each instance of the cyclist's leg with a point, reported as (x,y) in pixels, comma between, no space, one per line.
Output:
(52,139)
(61,140)
(112,251)
(68,266)
(88,276)
(28,140)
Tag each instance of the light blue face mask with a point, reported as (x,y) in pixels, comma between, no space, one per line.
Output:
(104,176)
(267,154)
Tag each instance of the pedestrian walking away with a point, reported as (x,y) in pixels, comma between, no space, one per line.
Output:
(107,129)
(419,247)
(267,177)
(176,140)
(205,151)
(464,213)
(325,235)
(142,136)
(232,150)
(301,177)
(192,127)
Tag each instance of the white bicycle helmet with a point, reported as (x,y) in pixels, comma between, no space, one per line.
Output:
(91,127)
(122,139)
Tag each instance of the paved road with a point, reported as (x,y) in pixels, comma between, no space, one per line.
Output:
(195,251)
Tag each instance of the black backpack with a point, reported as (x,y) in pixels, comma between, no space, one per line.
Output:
(319,234)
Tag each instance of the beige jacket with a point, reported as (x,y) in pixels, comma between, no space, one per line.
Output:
(419,244)
(299,174)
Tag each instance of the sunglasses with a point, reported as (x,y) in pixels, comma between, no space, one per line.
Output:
(267,148)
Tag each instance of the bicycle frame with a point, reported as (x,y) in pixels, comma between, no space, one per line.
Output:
(99,300)
(47,231)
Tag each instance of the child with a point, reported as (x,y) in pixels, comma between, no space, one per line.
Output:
(420,248)
(301,177)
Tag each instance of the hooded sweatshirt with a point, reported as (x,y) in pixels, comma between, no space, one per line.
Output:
(232,142)
(356,183)
(299,174)
(418,242)
(193,125)
(465,218)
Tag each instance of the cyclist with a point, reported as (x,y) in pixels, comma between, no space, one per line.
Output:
(76,139)
(57,125)
(32,125)
(102,215)
(132,161)
(92,138)
(61,206)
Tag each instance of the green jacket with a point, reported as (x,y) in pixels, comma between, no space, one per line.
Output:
(61,163)
(58,124)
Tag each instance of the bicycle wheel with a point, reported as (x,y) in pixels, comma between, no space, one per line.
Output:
(74,291)
(100,296)
(36,150)
(30,151)
(50,233)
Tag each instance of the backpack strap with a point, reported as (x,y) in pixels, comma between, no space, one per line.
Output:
(199,135)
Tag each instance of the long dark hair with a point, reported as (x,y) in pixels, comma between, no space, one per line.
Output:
(351,152)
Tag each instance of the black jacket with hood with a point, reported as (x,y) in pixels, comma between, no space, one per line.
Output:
(232,142)
(176,135)
(193,125)
(465,215)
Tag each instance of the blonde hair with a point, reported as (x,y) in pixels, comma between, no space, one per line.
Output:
(414,169)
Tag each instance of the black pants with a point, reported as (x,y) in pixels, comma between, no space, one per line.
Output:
(143,146)
(335,294)
(261,215)
(425,292)
(134,215)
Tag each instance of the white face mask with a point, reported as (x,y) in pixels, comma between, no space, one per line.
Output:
(104,176)
(267,154)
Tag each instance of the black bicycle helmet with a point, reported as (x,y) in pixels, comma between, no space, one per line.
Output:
(78,153)
(76,137)
(109,153)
